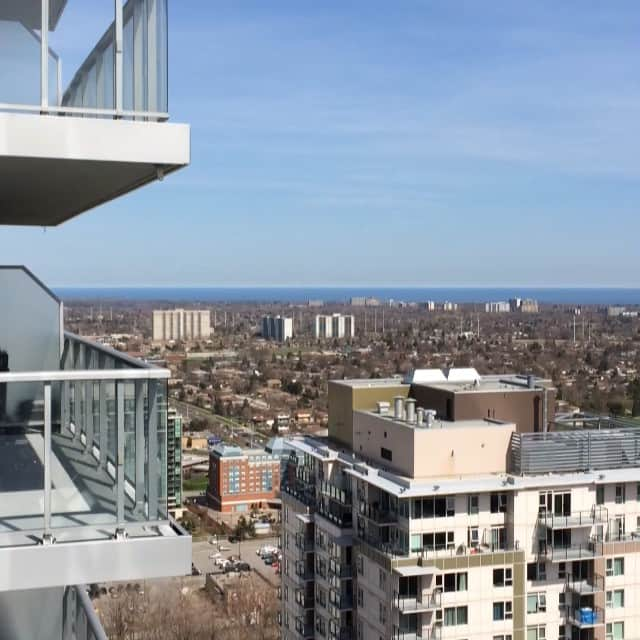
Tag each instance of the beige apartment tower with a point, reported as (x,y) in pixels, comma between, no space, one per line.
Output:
(428,528)
(181,324)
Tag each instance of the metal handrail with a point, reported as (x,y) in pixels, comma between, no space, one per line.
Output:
(594,582)
(80,620)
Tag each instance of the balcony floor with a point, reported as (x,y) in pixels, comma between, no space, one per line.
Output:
(83,494)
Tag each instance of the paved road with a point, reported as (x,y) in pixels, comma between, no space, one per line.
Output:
(246,550)
(230,426)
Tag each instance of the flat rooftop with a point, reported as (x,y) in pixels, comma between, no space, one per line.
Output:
(438,423)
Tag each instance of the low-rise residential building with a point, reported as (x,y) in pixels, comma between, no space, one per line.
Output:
(240,479)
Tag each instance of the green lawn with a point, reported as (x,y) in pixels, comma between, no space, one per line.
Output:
(195,484)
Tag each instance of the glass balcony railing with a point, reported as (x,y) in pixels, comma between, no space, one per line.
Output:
(83,450)
(121,71)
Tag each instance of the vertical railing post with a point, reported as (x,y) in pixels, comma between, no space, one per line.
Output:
(44,56)
(104,423)
(120,453)
(47,457)
(77,394)
(88,403)
(140,445)
(152,469)
(118,51)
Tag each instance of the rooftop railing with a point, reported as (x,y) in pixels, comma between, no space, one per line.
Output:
(83,448)
(124,74)
(578,450)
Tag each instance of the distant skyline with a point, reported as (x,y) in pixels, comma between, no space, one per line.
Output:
(420,143)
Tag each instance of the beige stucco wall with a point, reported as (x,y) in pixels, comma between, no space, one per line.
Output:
(435,452)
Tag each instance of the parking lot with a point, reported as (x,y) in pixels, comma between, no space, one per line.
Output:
(245,550)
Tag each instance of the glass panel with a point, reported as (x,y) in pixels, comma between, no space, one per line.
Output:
(21,460)
(84,38)
(20,54)
(83,479)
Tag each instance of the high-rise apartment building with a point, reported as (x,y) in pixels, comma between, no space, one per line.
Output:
(83,428)
(181,324)
(461,528)
(277,328)
(174,460)
(334,326)
(497,307)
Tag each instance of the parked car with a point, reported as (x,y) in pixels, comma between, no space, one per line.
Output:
(266,550)
(243,566)
(215,556)
(269,559)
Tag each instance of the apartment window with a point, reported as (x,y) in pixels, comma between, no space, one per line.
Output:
(473,536)
(536,571)
(450,582)
(321,626)
(360,597)
(382,613)
(562,631)
(386,454)
(440,507)
(454,616)
(536,603)
(539,632)
(437,541)
(562,570)
(562,602)
(321,596)
(382,579)
(502,611)
(615,599)
(451,506)
(473,504)
(615,567)
(614,631)
(638,491)
(503,577)
(545,501)
(498,503)
(600,494)
(620,494)
(508,636)
(360,564)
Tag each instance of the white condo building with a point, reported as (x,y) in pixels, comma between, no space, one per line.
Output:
(181,324)
(334,326)
(277,328)
(427,528)
(83,428)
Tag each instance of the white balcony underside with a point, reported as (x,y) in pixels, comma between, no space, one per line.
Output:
(53,168)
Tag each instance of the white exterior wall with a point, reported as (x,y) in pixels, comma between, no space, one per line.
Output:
(181,324)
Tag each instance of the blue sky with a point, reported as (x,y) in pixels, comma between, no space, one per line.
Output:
(412,142)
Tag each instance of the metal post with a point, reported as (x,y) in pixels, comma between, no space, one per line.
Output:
(104,424)
(47,457)
(152,468)
(140,445)
(44,56)
(120,455)
(119,65)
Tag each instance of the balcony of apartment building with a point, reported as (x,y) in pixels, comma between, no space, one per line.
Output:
(585,617)
(91,136)
(334,504)
(83,467)
(304,626)
(563,545)
(411,628)
(410,598)
(304,597)
(567,519)
(585,585)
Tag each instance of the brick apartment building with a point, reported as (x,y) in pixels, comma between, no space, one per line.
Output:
(240,479)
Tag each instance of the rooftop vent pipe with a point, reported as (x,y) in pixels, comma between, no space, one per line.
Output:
(430,417)
(398,407)
(420,416)
(410,410)
(531,381)
(383,408)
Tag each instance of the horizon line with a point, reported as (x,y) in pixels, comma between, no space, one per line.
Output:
(345,286)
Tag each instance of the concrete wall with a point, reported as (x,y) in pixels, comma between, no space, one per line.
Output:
(345,399)
(522,406)
(30,332)
(35,614)
(435,452)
